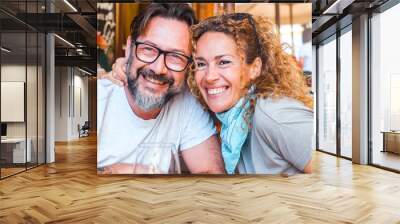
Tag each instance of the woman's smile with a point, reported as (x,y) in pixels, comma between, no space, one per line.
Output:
(216,91)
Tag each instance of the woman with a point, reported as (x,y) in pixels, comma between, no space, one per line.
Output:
(257,92)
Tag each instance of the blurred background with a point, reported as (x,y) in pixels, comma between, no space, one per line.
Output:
(292,20)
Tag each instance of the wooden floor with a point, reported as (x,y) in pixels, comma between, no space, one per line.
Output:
(387,159)
(10,171)
(5,172)
(69,191)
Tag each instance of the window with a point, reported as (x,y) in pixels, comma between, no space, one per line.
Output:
(327,97)
(22,68)
(385,89)
(346,94)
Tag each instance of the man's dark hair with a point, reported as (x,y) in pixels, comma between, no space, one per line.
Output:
(179,11)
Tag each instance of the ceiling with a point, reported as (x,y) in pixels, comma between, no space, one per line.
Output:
(72,20)
(330,16)
(19,54)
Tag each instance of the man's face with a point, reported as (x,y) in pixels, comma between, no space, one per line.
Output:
(152,84)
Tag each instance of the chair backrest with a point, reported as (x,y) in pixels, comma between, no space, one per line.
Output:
(86,125)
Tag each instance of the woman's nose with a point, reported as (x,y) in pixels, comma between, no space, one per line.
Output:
(211,74)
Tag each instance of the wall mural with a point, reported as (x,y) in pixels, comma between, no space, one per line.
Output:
(154,126)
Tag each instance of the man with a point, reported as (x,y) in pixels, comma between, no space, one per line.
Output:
(155,106)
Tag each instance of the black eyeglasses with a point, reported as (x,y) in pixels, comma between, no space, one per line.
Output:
(173,61)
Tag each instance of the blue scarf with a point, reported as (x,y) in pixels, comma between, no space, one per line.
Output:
(234,132)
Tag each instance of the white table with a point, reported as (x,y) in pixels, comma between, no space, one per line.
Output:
(19,155)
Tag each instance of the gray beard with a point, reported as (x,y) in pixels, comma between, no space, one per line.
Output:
(148,102)
(145,101)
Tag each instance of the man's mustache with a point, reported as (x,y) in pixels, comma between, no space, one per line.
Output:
(147,73)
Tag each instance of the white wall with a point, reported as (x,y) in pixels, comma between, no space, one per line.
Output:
(71,94)
(12,73)
(61,103)
(33,127)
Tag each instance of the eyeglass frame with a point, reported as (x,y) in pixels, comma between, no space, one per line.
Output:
(160,51)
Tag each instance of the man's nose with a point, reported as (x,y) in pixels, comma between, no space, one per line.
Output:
(158,66)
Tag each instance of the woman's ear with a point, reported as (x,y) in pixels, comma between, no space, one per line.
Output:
(255,68)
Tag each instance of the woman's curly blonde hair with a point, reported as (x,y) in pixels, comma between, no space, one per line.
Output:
(255,37)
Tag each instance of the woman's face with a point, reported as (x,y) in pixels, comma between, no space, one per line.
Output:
(221,75)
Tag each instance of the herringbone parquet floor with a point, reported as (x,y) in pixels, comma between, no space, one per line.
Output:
(69,191)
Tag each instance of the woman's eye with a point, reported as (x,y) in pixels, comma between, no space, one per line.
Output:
(200,64)
(224,62)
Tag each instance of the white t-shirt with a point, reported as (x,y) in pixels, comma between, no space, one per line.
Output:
(182,122)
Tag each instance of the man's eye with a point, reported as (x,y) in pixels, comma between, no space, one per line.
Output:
(149,49)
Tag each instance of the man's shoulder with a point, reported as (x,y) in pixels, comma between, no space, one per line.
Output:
(104,83)
(185,100)
(104,88)
(186,108)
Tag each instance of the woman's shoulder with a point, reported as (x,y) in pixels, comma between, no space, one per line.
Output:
(281,110)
